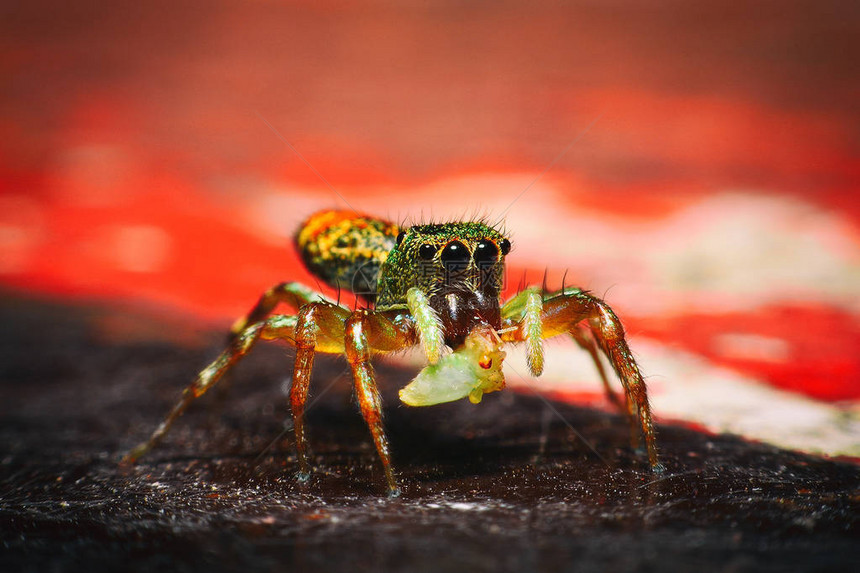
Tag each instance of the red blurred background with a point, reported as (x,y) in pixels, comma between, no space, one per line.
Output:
(697,164)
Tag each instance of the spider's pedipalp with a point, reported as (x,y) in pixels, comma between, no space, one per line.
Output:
(533,331)
(428,323)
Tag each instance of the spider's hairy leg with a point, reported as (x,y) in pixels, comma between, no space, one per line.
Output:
(428,323)
(562,312)
(276,327)
(525,310)
(366,332)
(292,293)
(583,337)
(319,328)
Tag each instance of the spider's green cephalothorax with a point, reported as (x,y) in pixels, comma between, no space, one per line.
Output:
(458,267)
(443,258)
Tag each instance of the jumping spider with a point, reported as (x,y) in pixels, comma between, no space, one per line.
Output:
(436,285)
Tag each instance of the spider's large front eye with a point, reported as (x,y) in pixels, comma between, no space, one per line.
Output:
(427,251)
(455,252)
(486,251)
(400,237)
(505,245)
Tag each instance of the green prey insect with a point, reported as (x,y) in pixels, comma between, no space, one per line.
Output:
(437,286)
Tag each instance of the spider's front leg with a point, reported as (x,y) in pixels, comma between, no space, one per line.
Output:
(277,327)
(367,332)
(533,315)
(318,326)
(585,339)
(329,328)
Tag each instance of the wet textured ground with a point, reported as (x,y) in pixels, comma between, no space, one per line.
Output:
(505,486)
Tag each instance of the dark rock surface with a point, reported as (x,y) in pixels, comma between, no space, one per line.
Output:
(504,486)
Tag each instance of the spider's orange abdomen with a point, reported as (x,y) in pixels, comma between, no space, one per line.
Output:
(346,249)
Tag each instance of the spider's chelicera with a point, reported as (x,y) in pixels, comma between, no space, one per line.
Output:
(437,285)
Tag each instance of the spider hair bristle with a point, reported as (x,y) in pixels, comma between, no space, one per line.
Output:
(320,287)
(404,221)
(543,282)
(606,291)
(499,224)
(485,218)
(500,227)
(522,284)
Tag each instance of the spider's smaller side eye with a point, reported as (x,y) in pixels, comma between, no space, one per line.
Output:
(505,246)
(400,237)
(427,251)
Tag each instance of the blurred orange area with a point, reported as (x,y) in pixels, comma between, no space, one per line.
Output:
(697,165)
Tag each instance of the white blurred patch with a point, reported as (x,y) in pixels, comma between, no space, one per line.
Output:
(692,388)
(728,252)
(739,251)
(741,346)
